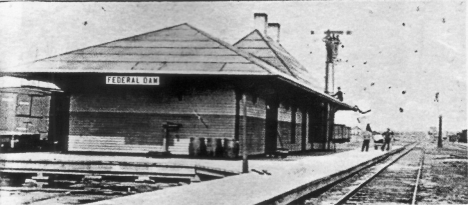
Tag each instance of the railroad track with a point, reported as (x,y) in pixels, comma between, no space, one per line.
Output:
(395,182)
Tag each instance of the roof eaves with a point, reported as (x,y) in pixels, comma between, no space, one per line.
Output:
(320,94)
(138,71)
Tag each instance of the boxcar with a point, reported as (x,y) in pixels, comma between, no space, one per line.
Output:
(340,133)
(24,119)
(347,135)
(462,137)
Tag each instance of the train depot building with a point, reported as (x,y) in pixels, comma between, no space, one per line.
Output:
(181,91)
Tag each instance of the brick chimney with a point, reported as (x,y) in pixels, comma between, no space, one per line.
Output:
(261,21)
(274,31)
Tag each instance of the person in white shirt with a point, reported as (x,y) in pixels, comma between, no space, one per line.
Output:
(366,136)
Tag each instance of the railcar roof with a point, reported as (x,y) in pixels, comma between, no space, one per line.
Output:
(8,83)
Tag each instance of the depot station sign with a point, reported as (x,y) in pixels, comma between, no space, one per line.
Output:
(132,80)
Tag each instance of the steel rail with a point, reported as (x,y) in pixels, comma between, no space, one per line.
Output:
(348,195)
(413,201)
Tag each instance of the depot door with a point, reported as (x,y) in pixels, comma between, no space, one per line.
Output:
(271,127)
(59,121)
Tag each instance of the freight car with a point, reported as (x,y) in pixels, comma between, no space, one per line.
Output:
(462,137)
(341,133)
(24,115)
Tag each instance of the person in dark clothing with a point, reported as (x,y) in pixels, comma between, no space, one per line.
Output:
(339,94)
(367,136)
(387,139)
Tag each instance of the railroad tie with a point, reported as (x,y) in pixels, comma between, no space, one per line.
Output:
(144,179)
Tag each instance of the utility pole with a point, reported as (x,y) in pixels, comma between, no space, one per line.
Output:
(439,143)
(332,43)
(245,162)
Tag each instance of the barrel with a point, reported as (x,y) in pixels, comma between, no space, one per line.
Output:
(210,147)
(231,148)
(199,147)
(190,148)
(219,150)
(202,147)
(236,148)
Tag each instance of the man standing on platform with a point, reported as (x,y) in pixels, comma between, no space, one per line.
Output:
(387,139)
(367,136)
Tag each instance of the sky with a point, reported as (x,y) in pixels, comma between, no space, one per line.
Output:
(399,55)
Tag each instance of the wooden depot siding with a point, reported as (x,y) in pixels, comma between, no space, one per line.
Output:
(130,120)
(305,129)
(256,115)
(298,143)
(284,126)
(256,119)
(321,139)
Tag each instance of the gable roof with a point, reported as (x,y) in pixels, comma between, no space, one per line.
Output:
(178,49)
(271,52)
(274,54)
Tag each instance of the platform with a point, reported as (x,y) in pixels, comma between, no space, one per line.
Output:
(78,164)
(288,181)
